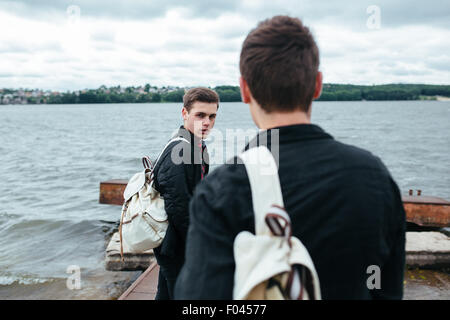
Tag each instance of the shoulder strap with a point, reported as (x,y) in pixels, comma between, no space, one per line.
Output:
(165,147)
(262,172)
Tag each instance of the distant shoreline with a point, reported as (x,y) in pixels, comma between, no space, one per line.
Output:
(152,94)
(432,98)
(442,99)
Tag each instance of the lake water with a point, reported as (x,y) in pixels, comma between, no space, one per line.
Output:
(53,157)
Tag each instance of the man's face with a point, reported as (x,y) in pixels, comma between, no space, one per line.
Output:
(200,119)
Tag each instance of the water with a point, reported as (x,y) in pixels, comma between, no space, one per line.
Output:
(53,157)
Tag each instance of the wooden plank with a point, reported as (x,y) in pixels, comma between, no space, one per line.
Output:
(139,296)
(145,287)
(149,284)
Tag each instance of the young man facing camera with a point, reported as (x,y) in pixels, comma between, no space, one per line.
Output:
(180,168)
(343,203)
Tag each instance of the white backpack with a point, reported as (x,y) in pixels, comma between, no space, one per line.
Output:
(143,222)
(265,260)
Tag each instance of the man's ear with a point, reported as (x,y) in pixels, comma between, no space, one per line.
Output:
(245,91)
(318,88)
(184,113)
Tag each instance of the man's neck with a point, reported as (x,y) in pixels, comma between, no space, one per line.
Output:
(282,119)
(266,120)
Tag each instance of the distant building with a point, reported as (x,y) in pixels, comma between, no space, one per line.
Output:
(7,98)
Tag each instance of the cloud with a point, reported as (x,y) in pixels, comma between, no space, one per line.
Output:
(198,42)
(346,12)
(121,9)
(383,56)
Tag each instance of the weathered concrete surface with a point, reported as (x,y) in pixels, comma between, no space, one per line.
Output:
(132,261)
(423,249)
(427,249)
(422,284)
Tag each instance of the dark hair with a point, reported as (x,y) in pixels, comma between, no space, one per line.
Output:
(279,61)
(200,94)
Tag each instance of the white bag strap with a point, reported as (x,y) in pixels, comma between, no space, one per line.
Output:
(271,217)
(267,198)
(268,206)
(165,147)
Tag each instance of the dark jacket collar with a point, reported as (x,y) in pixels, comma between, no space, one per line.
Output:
(189,136)
(199,153)
(286,134)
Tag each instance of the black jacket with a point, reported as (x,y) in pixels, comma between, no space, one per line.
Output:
(344,206)
(177,172)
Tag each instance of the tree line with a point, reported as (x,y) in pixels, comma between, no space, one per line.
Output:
(347,92)
(330,92)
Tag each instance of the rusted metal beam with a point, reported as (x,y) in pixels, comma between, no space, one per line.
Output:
(111,192)
(424,211)
(427,211)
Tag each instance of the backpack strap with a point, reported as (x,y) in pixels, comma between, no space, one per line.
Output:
(161,153)
(272,219)
(270,216)
(267,198)
(165,147)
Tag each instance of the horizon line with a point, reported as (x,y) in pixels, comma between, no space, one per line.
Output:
(221,85)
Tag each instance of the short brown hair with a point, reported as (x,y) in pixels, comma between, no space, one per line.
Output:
(279,61)
(199,94)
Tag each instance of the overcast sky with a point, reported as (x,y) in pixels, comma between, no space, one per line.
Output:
(71,45)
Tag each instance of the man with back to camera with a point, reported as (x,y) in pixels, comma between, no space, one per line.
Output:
(343,203)
(180,168)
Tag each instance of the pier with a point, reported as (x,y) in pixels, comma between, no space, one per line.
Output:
(427,249)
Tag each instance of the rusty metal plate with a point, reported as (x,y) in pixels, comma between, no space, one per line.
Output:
(428,215)
(111,192)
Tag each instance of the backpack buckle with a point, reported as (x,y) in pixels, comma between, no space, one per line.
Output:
(147,163)
(279,222)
